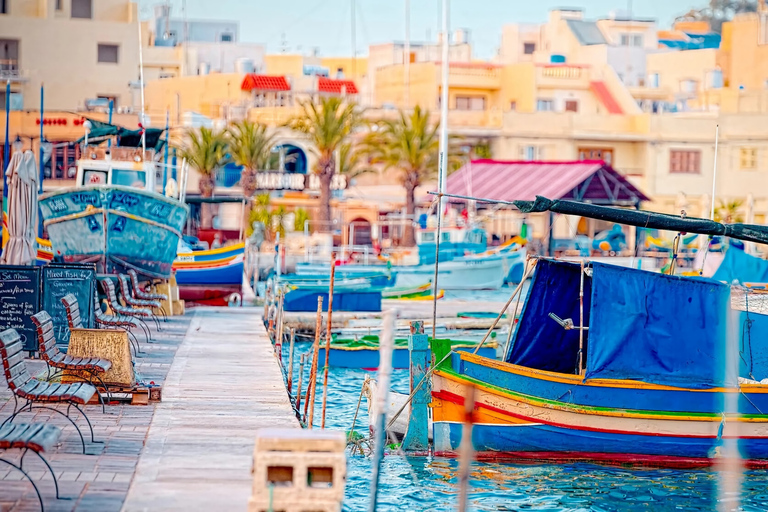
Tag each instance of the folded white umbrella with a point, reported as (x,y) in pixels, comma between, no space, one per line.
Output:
(22,182)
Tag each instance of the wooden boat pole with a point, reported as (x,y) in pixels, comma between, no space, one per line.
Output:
(382,402)
(504,309)
(290,360)
(279,335)
(513,322)
(312,386)
(328,338)
(302,360)
(581,318)
(466,451)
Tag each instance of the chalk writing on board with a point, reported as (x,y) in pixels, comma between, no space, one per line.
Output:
(59,281)
(19,300)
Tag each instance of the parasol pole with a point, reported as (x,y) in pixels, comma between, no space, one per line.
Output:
(6,152)
(141,84)
(714,174)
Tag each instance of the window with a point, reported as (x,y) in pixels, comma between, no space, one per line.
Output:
(689,86)
(637,40)
(604,154)
(571,106)
(470,103)
(59,5)
(82,9)
(631,40)
(685,161)
(748,158)
(545,105)
(4,6)
(653,80)
(529,48)
(226,38)
(512,106)
(529,153)
(109,53)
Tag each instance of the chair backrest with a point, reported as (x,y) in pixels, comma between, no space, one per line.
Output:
(73,311)
(135,281)
(125,287)
(12,354)
(109,289)
(46,338)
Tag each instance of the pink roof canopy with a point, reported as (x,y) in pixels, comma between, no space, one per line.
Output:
(591,181)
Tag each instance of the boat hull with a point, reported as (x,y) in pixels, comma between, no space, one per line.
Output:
(467,273)
(117,228)
(208,281)
(518,417)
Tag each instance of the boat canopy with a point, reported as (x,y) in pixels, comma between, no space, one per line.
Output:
(741,267)
(646,219)
(102,131)
(643,326)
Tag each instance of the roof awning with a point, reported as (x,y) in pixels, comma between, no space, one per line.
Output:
(254,82)
(329,85)
(591,181)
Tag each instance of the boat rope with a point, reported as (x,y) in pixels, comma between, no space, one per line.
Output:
(706,252)
(518,290)
(146,221)
(746,333)
(73,216)
(418,386)
(435,289)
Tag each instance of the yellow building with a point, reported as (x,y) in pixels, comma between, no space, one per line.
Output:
(80,49)
(744,51)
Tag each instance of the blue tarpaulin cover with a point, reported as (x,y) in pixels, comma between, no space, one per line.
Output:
(539,341)
(657,328)
(740,266)
(753,345)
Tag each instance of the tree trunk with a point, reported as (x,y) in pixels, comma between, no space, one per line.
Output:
(327,170)
(409,237)
(248,182)
(207,183)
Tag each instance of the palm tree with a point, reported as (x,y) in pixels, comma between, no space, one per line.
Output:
(327,124)
(250,147)
(411,145)
(729,211)
(206,151)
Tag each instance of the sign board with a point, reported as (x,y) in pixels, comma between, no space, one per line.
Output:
(19,300)
(268,180)
(58,281)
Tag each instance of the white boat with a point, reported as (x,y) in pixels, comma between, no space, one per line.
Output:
(480,272)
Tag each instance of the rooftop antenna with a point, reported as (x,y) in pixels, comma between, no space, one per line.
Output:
(283,43)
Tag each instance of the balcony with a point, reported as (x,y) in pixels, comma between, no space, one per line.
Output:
(9,70)
(472,76)
(562,76)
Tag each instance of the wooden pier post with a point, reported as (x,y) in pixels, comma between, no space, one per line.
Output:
(302,359)
(290,360)
(328,337)
(312,386)
(466,450)
(417,433)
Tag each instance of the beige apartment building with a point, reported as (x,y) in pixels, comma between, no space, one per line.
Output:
(82,50)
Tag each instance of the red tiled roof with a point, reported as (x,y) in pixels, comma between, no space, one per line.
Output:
(605,97)
(332,86)
(523,181)
(254,82)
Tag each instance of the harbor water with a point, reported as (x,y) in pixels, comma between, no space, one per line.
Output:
(430,483)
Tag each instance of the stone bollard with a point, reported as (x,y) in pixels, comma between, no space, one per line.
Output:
(417,433)
(298,470)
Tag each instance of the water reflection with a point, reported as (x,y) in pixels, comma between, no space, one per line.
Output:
(430,483)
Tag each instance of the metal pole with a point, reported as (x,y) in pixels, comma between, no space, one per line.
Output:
(466,450)
(165,155)
(407,54)
(111,110)
(581,318)
(141,83)
(444,103)
(328,337)
(42,164)
(382,400)
(714,173)
(354,43)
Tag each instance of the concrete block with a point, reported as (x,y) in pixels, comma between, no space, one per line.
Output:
(255,505)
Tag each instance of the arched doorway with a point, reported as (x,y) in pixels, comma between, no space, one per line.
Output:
(289,158)
(360,232)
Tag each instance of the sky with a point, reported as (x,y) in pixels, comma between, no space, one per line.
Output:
(302,25)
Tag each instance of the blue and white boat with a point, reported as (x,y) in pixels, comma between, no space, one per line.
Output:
(113,217)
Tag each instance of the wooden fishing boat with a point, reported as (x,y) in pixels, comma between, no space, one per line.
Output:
(113,217)
(207,281)
(408,292)
(219,255)
(363,352)
(618,365)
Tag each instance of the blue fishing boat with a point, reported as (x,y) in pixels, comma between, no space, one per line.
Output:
(113,217)
(617,365)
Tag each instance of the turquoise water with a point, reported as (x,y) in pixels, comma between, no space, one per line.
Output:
(430,483)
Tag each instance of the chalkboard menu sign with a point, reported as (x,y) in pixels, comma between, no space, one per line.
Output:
(58,281)
(19,300)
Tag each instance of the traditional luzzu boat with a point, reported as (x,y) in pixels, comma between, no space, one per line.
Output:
(363,352)
(210,276)
(618,365)
(113,217)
